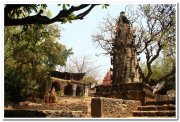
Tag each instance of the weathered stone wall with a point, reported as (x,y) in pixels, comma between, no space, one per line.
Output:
(159,97)
(42,113)
(129,91)
(115,108)
(59,108)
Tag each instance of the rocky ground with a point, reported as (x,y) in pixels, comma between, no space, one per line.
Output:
(65,104)
(78,107)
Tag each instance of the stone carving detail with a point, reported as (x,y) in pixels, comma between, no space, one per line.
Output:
(124,57)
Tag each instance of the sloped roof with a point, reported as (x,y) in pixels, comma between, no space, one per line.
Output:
(67,75)
(59,80)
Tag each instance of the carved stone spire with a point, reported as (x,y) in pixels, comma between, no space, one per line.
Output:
(124,58)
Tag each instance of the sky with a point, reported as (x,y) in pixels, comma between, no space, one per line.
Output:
(77,35)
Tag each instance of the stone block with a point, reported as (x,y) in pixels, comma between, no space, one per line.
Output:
(96,107)
(110,107)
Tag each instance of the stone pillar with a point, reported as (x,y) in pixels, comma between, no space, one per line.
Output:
(97,107)
(74,88)
(62,87)
(86,91)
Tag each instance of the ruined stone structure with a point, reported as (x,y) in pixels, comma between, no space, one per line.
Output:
(110,107)
(124,57)
(70,84)
(126,82)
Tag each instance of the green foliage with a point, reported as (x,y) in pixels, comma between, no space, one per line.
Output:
(146,8)
(60,92)
(19,14)
(158,39)
(30,52)
(64,7)
(43,6)
(26,10)
(161,67)
(104,6)
(89,79)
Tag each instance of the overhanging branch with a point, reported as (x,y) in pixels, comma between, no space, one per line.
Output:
(40,19)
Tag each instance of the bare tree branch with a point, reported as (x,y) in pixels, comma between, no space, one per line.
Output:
(155,33)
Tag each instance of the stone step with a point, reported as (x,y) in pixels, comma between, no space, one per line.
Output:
(156,107)
(42,113)
(160,102)
(154,113)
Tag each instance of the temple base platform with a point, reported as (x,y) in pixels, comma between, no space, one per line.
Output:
(129,91)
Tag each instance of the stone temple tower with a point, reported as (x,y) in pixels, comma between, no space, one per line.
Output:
(126,83)
(124,57)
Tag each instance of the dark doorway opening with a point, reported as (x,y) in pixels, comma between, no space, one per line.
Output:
(56,85)
(79,91)
(68,90)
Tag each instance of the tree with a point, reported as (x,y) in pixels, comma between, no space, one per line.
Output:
(159,35)
(155,36)
(30,52)
(104,38)
(21,14)
(83,64)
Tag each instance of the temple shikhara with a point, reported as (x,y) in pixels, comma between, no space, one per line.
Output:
(123,80)
(124,57)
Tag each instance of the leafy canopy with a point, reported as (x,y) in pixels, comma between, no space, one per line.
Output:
(21,14)
(30,53)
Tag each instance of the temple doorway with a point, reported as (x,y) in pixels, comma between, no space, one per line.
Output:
(68,90)
(79,91)
(56,85)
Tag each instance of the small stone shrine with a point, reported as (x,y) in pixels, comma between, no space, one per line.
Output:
(126,82)
(69,84)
